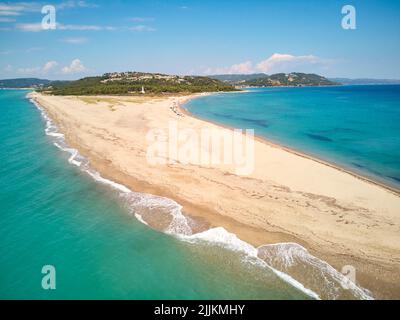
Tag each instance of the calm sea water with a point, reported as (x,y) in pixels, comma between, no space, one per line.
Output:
(357,127)
(52,213)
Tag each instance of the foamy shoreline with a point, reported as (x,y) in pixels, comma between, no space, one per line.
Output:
(57,113)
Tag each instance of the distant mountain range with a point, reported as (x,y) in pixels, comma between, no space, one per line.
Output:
(262,79)
(276,80)
(365,81)
(28,83)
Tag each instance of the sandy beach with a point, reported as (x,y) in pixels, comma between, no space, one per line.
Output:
(339,217)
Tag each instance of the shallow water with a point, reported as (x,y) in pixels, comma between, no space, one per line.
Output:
(356,127)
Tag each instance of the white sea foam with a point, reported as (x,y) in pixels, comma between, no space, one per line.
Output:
(276,257)
(96,176)
(289,256)
(139,217)
(178,225)
(222,237)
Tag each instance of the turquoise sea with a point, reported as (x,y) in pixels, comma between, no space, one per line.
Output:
(356,127)
(55,210)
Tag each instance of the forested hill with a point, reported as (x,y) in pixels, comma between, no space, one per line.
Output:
(33,83)
(276,80)
(24,83)
(133,82)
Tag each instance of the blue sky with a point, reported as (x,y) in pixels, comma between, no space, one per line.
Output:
(200,37)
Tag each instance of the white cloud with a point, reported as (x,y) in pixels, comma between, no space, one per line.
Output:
(33,49)
(7,20)
(142,28)
(29,27)
(29,71)
(78,40)
(84,4)
(36,27)
(76,66)
(27,50)
(18,8)
(76,4)
(46,68)
(8,68)
(7,7)
(244,67)
(9,13)
(79,27)
(141,19)
(49,66)
(277,61)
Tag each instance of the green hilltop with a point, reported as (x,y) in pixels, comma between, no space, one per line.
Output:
(276,80)
(134,82)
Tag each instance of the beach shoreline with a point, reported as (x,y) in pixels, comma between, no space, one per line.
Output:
(249,231)
(262,139)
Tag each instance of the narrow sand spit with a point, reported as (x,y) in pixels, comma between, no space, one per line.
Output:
(339,217)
